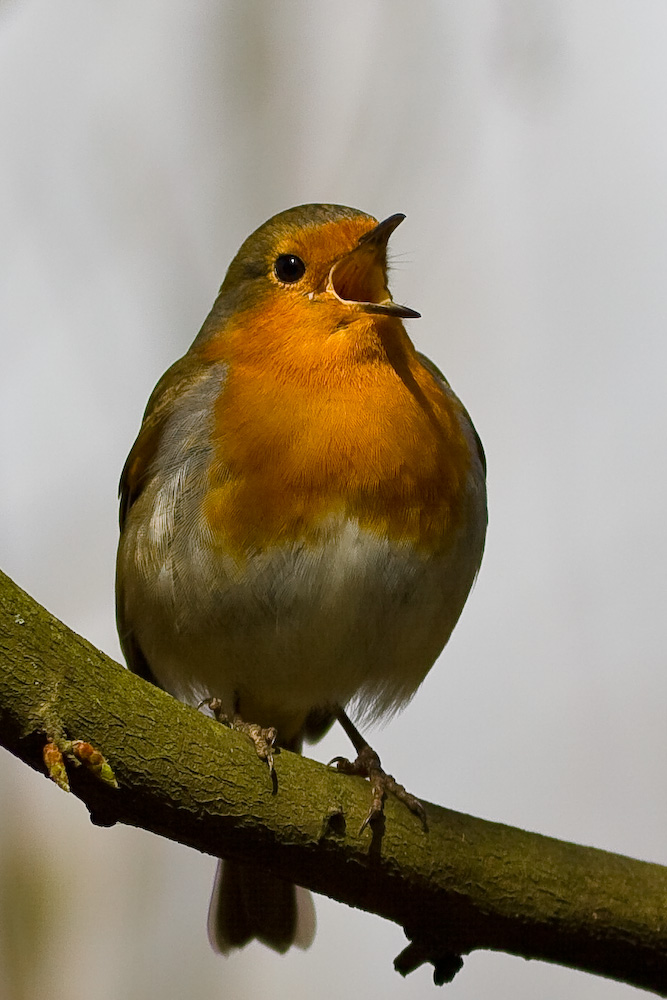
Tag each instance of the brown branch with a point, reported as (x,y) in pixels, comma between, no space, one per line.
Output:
(465,884)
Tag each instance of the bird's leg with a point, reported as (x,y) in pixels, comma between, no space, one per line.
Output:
(263,738)
(368,765)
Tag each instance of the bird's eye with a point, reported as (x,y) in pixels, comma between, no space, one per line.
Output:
(289,268)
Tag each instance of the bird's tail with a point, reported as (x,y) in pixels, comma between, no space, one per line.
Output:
(248,902)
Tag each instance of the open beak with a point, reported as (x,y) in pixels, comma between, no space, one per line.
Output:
(359,279)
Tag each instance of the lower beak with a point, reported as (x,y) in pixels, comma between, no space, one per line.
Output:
(359,279)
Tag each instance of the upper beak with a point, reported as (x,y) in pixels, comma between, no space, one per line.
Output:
(359,279)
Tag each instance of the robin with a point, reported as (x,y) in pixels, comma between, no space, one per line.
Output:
(302,516)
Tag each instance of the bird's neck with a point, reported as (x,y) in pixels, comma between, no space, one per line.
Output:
(323,342)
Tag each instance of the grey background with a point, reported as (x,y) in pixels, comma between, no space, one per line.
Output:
(526,141)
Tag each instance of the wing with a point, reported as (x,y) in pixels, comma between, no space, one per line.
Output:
(134,477)
(439,377)
(175,381)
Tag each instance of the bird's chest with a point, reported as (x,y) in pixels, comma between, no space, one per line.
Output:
(383,451)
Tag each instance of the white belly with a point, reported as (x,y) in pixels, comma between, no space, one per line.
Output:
(300,626)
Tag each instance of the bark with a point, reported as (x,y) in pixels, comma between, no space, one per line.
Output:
(464,884)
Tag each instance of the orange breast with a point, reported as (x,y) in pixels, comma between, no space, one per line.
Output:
(320,417)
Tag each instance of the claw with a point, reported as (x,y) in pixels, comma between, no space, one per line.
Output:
(368,765)
(216,707)
(262,737)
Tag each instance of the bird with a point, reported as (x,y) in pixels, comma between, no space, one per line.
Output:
(303,515)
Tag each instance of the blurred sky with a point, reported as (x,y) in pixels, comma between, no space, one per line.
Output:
(142,141)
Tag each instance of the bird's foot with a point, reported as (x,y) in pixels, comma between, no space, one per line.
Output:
(368,765)
(263,737)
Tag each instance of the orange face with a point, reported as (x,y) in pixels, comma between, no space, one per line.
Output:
(327,409)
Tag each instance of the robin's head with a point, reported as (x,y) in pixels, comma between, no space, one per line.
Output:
(314,254)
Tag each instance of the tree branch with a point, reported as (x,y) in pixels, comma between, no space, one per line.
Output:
(465,884)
